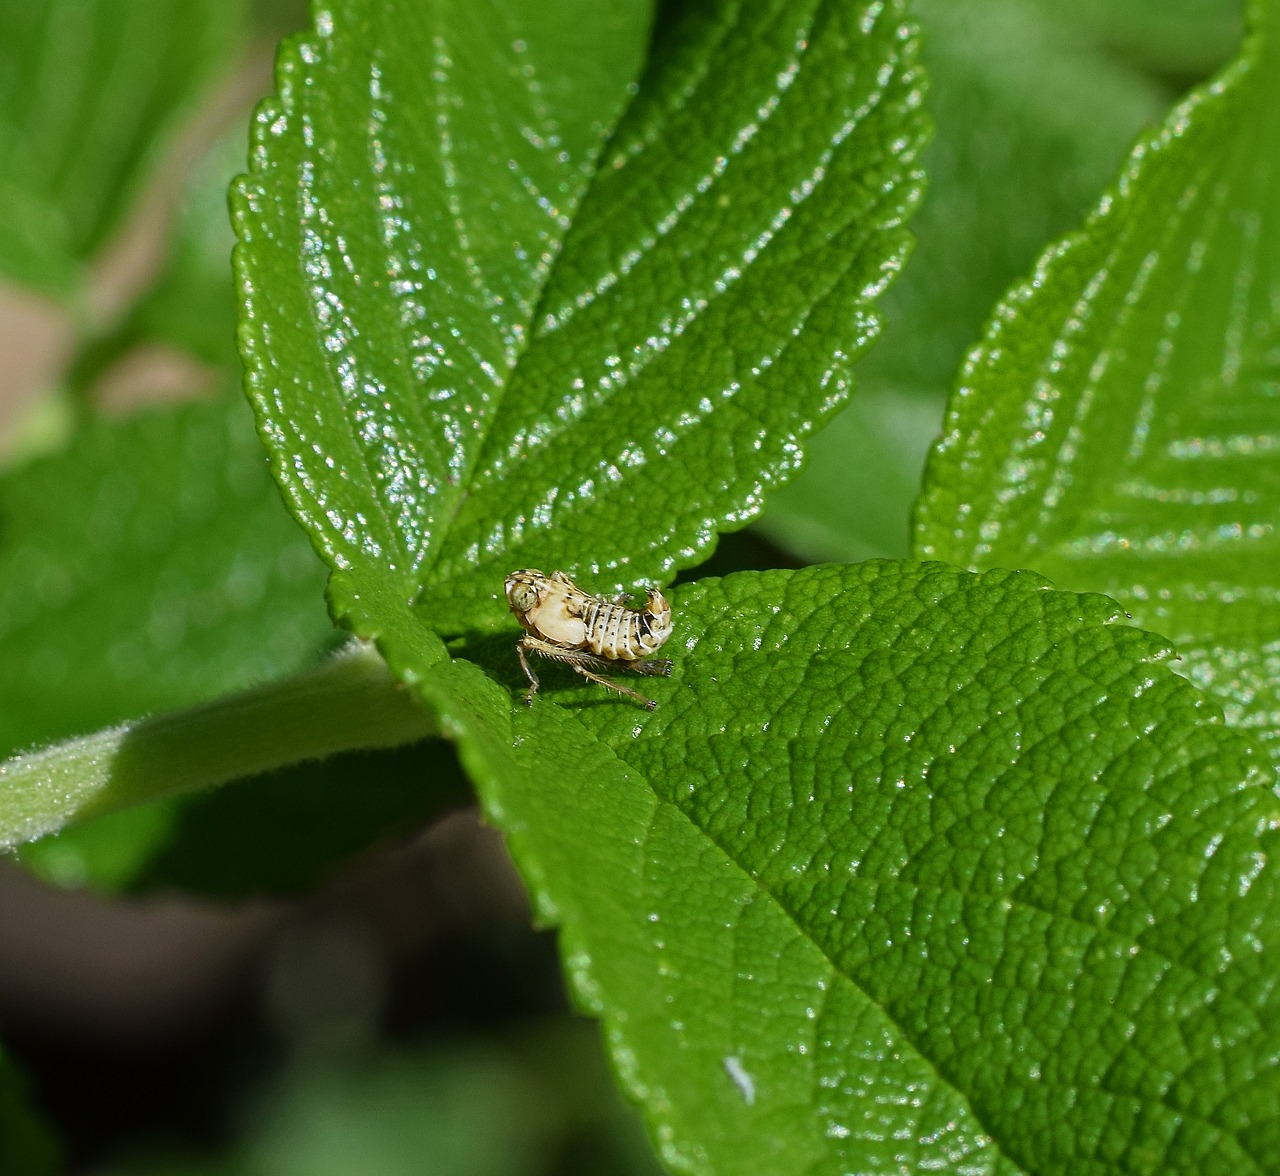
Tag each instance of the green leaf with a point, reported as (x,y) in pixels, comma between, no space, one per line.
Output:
(910,869)
(471,349)
(1115,429)
(148,567)
(1031,124)
(89,90)
(290,827)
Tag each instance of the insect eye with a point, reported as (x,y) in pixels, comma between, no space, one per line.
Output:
(523,597)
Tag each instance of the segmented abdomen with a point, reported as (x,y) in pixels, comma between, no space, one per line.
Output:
(624,634)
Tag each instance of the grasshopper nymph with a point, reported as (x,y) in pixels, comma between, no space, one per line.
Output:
(588,633)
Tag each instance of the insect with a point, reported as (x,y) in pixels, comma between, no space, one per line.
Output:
(589,633)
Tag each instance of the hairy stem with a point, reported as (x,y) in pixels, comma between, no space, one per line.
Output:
(349,702)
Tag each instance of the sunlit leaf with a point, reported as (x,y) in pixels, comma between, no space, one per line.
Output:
(1116,428)
(910,869)
(471,349)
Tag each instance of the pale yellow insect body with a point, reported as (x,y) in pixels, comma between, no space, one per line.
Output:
(566,624)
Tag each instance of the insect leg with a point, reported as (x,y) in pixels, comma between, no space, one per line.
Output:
(528,673)
(581,662)
(609,684)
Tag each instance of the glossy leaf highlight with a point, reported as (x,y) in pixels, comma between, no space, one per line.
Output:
(472,350)
(1030,125)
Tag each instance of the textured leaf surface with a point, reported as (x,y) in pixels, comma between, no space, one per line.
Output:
(1031,123)
(468,355)
(148,567)
(910,869)
(1117,427)
(87,90)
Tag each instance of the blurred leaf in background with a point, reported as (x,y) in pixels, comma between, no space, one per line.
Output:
(1177,41)
(89,92)
(149,563)
(190,306)
(147,567)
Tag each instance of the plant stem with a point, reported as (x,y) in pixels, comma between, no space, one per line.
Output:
(348,702)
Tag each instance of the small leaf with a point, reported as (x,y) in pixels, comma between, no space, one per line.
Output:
(88,91)
(910,869)
(1116,427)
(471,350)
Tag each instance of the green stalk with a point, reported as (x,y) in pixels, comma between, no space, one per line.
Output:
(348,702)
